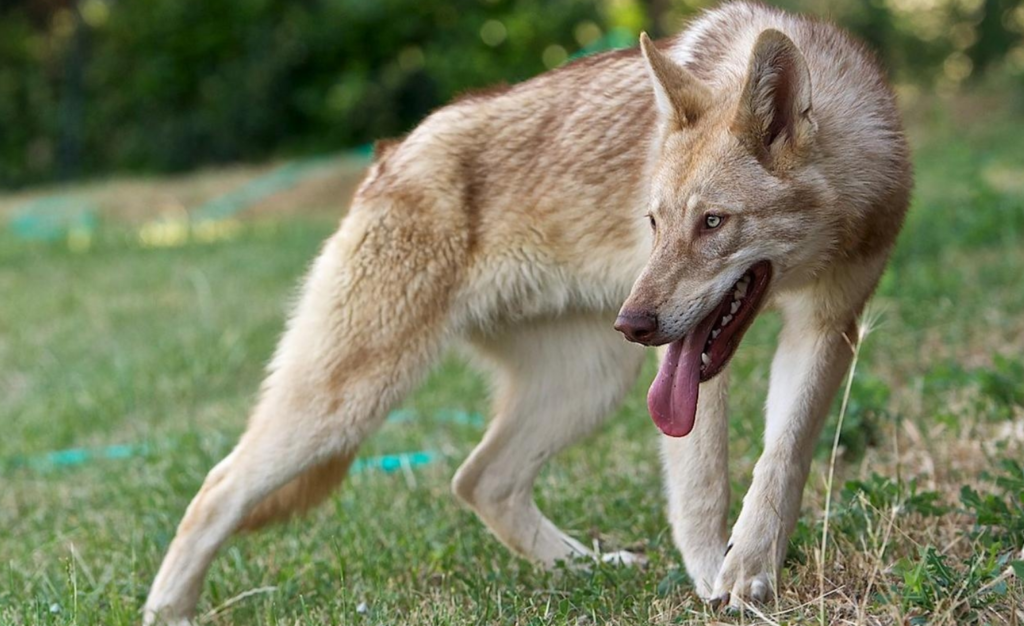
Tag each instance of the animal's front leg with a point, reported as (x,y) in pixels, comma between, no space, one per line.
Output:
(697,480)
(812,356)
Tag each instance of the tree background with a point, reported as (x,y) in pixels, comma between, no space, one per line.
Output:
(90,87)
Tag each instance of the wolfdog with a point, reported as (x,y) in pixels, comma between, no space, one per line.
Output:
(755,160)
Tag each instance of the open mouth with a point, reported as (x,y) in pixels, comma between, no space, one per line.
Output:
(704,352)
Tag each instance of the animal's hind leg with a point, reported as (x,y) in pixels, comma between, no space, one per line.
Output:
(371,319)
(557,380)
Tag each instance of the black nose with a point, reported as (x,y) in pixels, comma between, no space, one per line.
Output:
(639,327)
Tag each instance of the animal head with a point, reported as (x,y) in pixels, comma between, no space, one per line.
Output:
(733,191)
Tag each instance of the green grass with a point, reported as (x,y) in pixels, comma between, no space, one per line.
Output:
(123,344)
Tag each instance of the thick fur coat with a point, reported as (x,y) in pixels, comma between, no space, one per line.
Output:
(638,189)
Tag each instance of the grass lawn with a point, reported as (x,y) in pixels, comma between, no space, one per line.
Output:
(162,349)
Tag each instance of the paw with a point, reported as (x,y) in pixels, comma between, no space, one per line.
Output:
(744,578)
(753,590)
(624,558)
(703,561)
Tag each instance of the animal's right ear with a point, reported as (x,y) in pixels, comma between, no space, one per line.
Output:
(680,97)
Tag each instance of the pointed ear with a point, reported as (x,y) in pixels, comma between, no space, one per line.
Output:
(774,118)
(679,95)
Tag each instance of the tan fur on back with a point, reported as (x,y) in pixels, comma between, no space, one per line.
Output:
(553,171)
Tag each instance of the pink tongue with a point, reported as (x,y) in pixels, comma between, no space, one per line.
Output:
(672,399)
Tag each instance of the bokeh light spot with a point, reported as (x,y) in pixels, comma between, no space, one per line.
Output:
(554,55)
(493,33)
(587,33)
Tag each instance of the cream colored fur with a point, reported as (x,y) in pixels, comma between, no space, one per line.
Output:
(514,223)
(823,202)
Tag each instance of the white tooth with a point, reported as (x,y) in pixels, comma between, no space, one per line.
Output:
(716,333)
(741,290)
(726,320)
(704,358)
(735,307)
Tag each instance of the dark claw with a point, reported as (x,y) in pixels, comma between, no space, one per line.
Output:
(727,548)
(719,601)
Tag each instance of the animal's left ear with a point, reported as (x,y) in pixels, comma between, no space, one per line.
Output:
(774,118)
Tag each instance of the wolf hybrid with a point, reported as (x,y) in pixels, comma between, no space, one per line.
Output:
(755,160)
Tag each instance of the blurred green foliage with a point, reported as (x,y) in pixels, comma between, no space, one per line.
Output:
(92,86)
